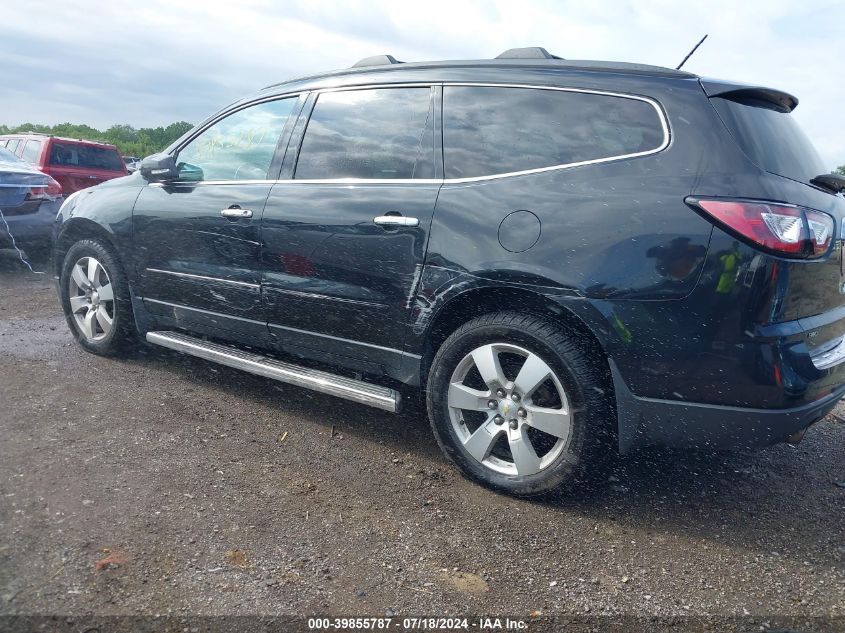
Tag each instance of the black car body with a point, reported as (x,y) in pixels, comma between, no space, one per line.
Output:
(575,191)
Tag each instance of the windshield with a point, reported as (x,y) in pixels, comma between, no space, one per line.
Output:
(771,137)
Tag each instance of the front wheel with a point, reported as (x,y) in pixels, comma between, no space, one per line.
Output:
(519,404)
(95,298)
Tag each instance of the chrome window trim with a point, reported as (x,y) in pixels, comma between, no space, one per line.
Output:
(201,183)
(330,181)
(203,277)
(365,181)
(661,115)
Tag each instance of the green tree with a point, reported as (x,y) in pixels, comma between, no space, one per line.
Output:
(840,170)
(129,140)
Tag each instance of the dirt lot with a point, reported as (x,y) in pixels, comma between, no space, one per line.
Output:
(161,484)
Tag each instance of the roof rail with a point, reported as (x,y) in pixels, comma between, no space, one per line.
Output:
(377,60)
(528,52)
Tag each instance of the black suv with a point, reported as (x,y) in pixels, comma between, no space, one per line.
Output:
(565,257)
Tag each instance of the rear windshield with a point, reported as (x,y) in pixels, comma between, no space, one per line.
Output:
(771,137)
(89,156)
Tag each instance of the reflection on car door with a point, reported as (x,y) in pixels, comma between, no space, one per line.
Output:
(344,238)
(197,238)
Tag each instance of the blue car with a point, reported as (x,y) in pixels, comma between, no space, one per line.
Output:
(29,202)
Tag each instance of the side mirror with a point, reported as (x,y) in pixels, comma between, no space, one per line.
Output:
(158,168)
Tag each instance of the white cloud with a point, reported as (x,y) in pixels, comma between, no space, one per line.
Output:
(152,62)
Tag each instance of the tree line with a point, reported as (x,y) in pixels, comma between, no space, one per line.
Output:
(129,140)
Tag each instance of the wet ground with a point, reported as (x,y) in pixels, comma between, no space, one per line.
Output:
(157,483)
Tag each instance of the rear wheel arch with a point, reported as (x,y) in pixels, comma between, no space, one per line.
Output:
(476,302)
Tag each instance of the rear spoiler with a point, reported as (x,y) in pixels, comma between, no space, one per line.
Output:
(715,88)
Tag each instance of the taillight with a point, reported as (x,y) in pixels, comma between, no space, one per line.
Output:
(782,229)
(54,188)
(52,191)
(821,230)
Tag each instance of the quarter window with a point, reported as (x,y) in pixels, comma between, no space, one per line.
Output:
(239,147)
(32,151)
(381,133)
(497,130)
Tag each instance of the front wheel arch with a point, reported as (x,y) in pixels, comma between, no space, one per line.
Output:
(76,229)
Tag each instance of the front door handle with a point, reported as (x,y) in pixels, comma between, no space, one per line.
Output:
(395,220)
(236,212)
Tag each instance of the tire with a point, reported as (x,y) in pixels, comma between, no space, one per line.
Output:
(571,402)
(92,295)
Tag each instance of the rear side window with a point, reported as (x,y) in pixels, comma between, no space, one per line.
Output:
(32,151)
(12,145)
(770,137)
(85,156)
(499,130)
(382,133)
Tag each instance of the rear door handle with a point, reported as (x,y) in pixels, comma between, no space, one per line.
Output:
(395,220)
(236,212)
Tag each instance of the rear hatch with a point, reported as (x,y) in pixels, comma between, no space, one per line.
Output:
(761,122)
(79,165)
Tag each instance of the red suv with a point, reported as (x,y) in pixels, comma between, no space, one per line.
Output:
(74,163)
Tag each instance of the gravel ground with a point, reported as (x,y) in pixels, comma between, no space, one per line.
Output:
(162,484)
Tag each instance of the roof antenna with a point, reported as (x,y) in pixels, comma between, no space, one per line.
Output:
(694,48)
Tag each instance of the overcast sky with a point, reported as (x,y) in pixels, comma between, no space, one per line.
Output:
(152,62)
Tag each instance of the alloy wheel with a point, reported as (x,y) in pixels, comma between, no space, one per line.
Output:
(509,409)
(91,299)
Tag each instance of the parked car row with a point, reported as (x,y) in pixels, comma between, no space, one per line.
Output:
(74,163)
(59,166)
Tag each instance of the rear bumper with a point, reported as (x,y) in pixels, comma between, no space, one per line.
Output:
(652,421)
(29,227)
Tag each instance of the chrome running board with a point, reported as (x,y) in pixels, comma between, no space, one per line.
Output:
(324,382)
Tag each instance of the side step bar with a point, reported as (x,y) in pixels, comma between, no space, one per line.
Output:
(324,382)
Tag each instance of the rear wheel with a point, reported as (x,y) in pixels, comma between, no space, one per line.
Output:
(519,404)
(95,298)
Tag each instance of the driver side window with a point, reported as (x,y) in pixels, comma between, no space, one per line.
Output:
(239,147)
